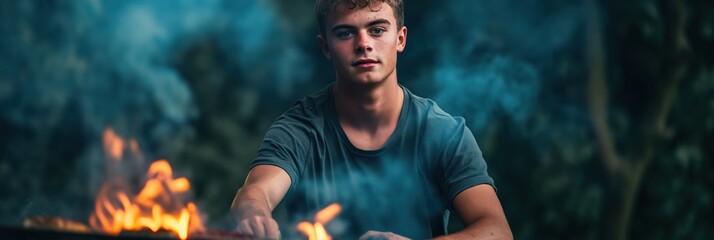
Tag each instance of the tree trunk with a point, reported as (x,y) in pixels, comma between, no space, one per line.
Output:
(625,176)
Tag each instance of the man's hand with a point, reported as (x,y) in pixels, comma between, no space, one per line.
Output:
(260,227)
(375,235)
(264,187)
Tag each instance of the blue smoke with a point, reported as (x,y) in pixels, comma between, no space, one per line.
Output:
(116,58)
(268,51)
(501,84)
(94,64)
(490,55)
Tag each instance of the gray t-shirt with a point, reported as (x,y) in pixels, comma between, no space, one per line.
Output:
(405,187)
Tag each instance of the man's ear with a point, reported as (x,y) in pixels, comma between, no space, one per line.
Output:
(402,39)
(323,46)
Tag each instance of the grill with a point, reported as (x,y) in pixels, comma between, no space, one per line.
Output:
(21,233)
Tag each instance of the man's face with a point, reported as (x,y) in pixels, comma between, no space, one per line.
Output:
(363,44)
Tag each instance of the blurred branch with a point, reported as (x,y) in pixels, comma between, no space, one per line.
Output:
(675,52)
(598,92)
(627,175)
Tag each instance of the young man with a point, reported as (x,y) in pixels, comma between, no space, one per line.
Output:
(394,161)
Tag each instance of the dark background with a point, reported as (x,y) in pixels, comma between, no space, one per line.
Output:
(596,117)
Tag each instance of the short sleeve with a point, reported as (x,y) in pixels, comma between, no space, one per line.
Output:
(284,146)
(463,165)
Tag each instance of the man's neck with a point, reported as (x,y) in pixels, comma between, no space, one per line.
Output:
(368,109)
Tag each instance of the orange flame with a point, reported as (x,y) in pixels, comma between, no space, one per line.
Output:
(113,144)
(156,207)
(317,231)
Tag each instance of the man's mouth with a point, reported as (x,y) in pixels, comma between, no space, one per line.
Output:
(365,63)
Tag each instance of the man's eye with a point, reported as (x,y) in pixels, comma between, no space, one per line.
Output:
(344,34)
(377,31)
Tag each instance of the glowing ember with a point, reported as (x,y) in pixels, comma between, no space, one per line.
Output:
(157,206)
(317,231)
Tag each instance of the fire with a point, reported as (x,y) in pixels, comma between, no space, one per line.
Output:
(157,205)
(317,231)
(113,144)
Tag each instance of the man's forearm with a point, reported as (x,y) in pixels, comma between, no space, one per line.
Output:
(483,229)
(251,201)
(252,210)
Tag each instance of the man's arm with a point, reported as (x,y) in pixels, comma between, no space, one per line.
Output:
(263,189)
(482,215)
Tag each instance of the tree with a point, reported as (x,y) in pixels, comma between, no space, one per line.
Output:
(625,169)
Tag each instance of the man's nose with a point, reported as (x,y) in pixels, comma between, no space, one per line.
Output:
(363,43)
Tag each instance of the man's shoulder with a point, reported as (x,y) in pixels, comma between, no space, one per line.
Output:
(306,113)
(310,106)
(432,114)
